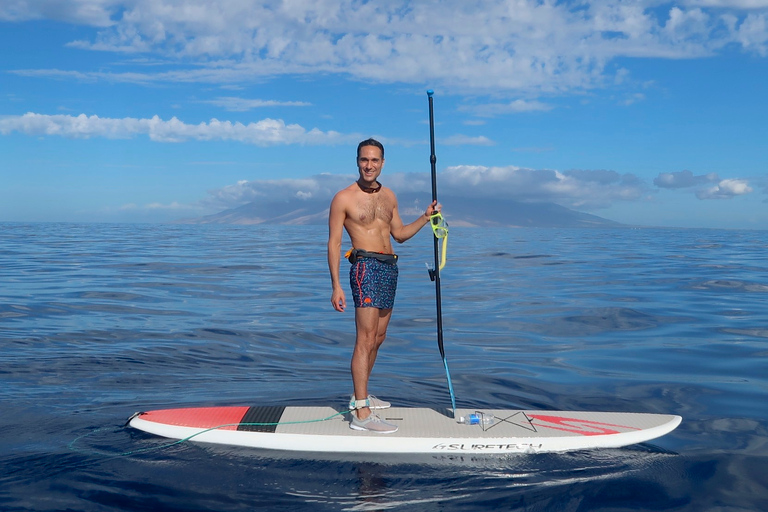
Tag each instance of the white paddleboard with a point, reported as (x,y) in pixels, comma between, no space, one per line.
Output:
(421,430)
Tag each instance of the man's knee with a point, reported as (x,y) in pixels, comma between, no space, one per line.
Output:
(367,341)
(367,335)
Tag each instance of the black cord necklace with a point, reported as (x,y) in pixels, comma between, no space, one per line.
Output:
(369,190)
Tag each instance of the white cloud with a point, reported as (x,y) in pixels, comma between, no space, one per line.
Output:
(533,149)
(322,186)
(683,179)
(753,33)
(578,189)
(488,45)
(234,104)
(686,25)
(466,140)
(465,181)
(88,12)
(267,132)
(726,189)
(722,189)
(174,206)
(513,107)
(633,98)
(730,4)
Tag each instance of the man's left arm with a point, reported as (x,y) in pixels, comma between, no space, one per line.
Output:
(401,232)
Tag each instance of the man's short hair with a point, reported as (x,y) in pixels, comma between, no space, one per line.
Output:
(370,142)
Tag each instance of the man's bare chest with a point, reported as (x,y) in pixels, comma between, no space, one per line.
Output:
(374,209)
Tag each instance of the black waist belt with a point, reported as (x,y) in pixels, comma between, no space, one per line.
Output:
(355,254)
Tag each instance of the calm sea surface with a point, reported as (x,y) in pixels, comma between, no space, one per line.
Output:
(100,321)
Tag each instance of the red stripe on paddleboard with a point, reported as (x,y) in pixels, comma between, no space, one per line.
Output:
(579,426)
(200,417)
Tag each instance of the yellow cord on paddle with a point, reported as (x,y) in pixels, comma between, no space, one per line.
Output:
(440,229)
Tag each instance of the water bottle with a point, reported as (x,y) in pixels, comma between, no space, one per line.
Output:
(477,418)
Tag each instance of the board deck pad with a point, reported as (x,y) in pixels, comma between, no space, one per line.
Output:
(421,430)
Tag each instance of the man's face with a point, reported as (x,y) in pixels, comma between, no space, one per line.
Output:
(369,163)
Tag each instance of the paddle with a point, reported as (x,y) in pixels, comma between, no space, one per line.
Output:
(434,274)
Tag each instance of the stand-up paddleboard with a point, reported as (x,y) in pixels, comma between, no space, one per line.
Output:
(421,430)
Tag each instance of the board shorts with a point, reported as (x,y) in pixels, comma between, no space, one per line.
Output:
(373,283)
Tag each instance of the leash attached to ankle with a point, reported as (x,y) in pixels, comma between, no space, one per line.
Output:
(359,404)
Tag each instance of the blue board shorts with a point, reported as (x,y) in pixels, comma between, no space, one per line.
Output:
(374,283)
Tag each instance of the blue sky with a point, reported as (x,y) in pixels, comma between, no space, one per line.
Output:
(644,112)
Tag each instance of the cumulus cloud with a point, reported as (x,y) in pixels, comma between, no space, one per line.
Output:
(462,181)
(683,179)
(584,189)
(575,189)
(726,189)
(96,13)
(578,189)
(267,132)
(722,189)
(753,33)
(487,45)
(319,187)
(729,4)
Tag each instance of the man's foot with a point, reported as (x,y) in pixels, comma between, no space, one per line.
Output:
(372,424)
(373,403)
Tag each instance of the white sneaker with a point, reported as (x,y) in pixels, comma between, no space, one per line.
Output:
(373,403)
(372,424)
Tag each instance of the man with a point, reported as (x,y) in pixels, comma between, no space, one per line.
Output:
(368,211)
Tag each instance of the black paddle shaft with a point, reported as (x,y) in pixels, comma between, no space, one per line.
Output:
(435,273)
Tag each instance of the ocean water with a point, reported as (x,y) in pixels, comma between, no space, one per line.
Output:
(98,321)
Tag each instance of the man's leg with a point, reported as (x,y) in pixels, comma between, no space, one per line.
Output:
(371,325)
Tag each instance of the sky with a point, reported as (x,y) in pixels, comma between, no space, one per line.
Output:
(644,112)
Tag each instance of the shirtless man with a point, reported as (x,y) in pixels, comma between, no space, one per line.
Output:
(368,211)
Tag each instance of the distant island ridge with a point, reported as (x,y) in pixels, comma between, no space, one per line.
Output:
(459,212)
